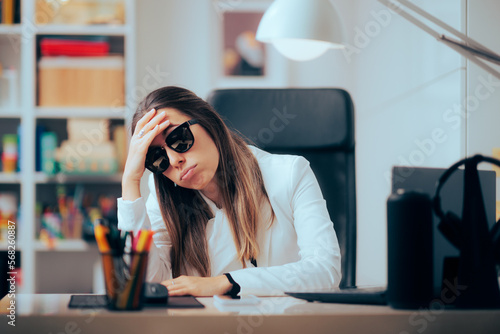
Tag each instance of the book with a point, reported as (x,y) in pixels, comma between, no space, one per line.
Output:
(48,146)
(9,153)
(40,129)
(17,11)
(19,138)
(73,47)
(7,11)
(81,81)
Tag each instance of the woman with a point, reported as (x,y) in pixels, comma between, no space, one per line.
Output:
(228,217)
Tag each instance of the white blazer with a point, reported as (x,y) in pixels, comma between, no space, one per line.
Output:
(300,250)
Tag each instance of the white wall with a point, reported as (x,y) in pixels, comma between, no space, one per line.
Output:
(483,90)
(404,85)
(174,41)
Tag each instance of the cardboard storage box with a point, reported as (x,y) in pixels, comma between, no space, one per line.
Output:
(81,81)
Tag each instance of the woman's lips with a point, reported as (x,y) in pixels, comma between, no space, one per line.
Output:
(187,174)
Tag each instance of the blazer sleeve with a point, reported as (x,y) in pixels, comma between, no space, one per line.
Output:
(319,263)
(140,214)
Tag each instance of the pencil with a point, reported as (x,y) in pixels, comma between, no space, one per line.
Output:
(141,244)
(136,240)
(139,279)
(149,241)
(100,233)
(129,297)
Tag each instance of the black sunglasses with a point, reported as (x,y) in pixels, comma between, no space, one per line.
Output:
(180,140)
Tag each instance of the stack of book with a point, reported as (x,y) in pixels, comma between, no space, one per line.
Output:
(80,72)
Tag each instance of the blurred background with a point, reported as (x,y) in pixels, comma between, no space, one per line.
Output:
(73,71)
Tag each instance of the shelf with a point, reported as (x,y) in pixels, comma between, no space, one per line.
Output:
(4,246)
(7,29)
(10,177)
(42,178)
(21,114)
(111,30)
(62,245)
(10,113)
(80,112)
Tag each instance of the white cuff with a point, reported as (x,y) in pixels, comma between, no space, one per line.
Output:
(132,215)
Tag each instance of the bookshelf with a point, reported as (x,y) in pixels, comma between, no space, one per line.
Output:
(10,29)
(20,50)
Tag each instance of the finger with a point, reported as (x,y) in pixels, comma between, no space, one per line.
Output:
(154,132)
(164,125)
(145,119)
(178,291)
(153,122)
(169,283)
(148,137)
(172,288)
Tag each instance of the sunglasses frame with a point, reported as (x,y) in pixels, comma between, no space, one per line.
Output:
(155,153)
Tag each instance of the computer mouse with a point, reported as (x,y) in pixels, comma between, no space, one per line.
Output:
(155,293)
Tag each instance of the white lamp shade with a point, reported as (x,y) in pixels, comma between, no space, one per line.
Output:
(301,29)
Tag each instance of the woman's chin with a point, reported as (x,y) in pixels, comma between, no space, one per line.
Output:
(195,184)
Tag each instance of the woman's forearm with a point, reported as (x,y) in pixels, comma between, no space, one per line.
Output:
(131,189)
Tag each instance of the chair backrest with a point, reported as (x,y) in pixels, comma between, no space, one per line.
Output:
(317,124)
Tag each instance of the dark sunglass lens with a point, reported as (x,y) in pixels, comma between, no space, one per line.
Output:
(180,139)
(157,160)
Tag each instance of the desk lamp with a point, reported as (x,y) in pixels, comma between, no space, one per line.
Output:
(301,29)
(305,29)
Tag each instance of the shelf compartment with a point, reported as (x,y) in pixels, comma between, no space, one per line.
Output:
(70,74)
(10,47)
(10,140)
(67,211)
(85,150)
(9,214)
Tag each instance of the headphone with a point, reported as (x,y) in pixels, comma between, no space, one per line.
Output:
(450,224)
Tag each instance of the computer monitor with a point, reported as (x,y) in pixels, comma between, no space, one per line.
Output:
(425,180)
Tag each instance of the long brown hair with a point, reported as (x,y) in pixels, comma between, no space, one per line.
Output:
(240,183)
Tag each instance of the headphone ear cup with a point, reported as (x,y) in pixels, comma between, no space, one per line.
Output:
(450,226)
(495,241)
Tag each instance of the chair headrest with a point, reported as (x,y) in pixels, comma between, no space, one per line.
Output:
(279,119)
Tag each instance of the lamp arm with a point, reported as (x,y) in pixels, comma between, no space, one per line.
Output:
(400,11)
(471,51)
(472,56)
(445,26)
(490,56)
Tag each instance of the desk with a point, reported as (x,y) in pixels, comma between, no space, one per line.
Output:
(48,313)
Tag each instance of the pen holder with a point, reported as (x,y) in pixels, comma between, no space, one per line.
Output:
(124,276)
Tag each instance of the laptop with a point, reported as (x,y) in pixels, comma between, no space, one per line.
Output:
(421,179)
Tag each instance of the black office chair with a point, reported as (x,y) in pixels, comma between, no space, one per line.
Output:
(317,124)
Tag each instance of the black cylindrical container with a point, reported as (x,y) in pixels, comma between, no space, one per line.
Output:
(409,237)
